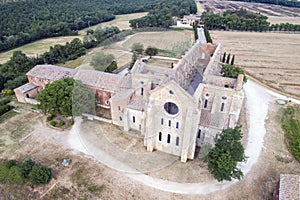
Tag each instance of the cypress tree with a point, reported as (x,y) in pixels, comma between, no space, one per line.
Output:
(207,35)
(232,60)
(195,25)
(228,59)
(224,57)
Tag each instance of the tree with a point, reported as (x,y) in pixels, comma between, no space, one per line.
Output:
(232,60)
(228,58)
(101,61)
(66,97)
(228,151)
(207,35)
(195,29)
(232,71)
(56,98)
(40,175)
(138,48)
(133,59)
(26,167)
(151,51)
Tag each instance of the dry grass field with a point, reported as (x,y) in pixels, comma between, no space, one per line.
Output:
(167,40)
(37,47)
(278,20)
(271,57)
(172,41)
(121,21)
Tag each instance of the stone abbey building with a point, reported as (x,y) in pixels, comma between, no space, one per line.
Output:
(176,104)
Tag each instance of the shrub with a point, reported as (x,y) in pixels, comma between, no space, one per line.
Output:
(4,101)
(26,167)
(4,109)
(52,123)
(8,92)
(69,122)
(60,123)
(40,175)
(49,118)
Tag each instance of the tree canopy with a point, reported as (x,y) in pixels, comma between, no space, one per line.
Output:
(65,96)
(228,151)
(104,62)
(151,51)
(26,21)
(232,71)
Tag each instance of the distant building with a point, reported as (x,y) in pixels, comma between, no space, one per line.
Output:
(190,19)
(177,105)
(288,187)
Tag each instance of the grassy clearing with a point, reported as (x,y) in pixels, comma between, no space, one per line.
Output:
(73,63)
(167,40)
(200,7)
(278,20)
(121,21)
(37,47)
(7,115)
(291,126)
(81,178)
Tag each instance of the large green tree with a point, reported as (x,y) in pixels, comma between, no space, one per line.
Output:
(228,151)
(63,96)
(104,62)
(232,71)
(151,51)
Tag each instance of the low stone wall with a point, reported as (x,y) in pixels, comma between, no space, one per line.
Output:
(92,117)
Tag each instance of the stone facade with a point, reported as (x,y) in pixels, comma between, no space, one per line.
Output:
(176,107)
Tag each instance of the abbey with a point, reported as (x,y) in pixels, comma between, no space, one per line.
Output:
(175,104)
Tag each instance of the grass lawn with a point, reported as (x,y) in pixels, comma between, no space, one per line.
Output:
(7,115)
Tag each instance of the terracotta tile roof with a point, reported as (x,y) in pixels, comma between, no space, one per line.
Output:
(51,72)
(137,103)
(289,187)
(213,120)
(27,87)
(99,79)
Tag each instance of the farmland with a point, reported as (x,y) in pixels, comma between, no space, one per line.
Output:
(276,14)
(273,58)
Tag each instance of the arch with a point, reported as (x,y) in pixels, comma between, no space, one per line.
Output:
(159,136)
(205,103)
(177,141)
(169,139)
(222,107)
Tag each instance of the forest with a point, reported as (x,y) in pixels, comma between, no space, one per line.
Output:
(244,20)
(289,3)
(23,22)
(161,15)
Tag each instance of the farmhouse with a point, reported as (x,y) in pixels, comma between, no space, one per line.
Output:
(176,106)
(190,19)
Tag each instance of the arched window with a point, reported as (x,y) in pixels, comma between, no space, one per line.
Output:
(142,91)
(162,121)
(159,136)
(170,123)
(177,124)
(169,139)
(177,141)
(205,103)
(199,134)
(133,119)
(222,107)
